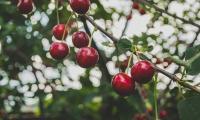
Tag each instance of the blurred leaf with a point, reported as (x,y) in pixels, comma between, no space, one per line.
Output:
(194,69)
(189,109)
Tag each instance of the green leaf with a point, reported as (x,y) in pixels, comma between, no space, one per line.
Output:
(189,109)
(194,69)
(124,45)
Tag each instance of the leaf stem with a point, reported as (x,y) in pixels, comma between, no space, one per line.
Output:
(66,27)
(155,97)
(57,13)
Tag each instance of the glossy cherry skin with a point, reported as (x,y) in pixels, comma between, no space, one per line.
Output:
(163,114)
(142,72)
(123,84)
(80,6)
(135,5)
(87,57)
(80,39)
(129,17)
(59,50)
(25,6)
(59,30)
(142,11)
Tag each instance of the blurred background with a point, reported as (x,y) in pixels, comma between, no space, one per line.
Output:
(35,86)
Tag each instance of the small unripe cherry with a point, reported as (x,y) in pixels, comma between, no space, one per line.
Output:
(80,39)
(87,57)
(142,11)
(135,5)
(80,6)
(59,50)
(163,114)
(59,31)
(25,6)
(123,84)
(142,72)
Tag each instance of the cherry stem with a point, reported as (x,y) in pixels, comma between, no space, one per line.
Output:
(90,39)
(155,96)
(57,13)
(129,63)
(76,20)
(66,27)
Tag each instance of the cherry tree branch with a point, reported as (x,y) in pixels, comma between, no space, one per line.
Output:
(100,28)
(169,75)
(170,14)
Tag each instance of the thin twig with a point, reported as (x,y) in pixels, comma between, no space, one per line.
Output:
(170,14)
(171,76)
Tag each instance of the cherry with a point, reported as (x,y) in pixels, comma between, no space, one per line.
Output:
(142,11)
(25,6)
(140,117)
(59,50)
(59,30)
(135,5)
(87,57)
(142,72)
(129,17)
(80,39)
(80,6)
(123,84)
(163,114)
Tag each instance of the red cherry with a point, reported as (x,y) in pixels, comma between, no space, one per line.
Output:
(142,11)
(129,17)
(142,72)
(59,30)
(25,6)
(87,57)
(123,84)
(80,6)
(59,50)
(163,114)
(80,39)
(140,117)
(135,5)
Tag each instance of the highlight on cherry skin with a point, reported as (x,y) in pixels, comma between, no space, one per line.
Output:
(87,57)
(142,72)
(24,6)
(60,31)
(123,84)
(80,6)
(59,50)
(80,39)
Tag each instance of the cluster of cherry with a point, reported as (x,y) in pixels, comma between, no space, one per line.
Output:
(87,56)
(137,7)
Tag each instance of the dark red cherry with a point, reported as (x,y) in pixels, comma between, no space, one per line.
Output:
(87,57)
(129,17)
(123,84)
(163,114)
(59,50)
(142,72)
(142,11)
(59,30)
(25,6)
(80,39)
(135,5)
(140,117)
(80,6)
